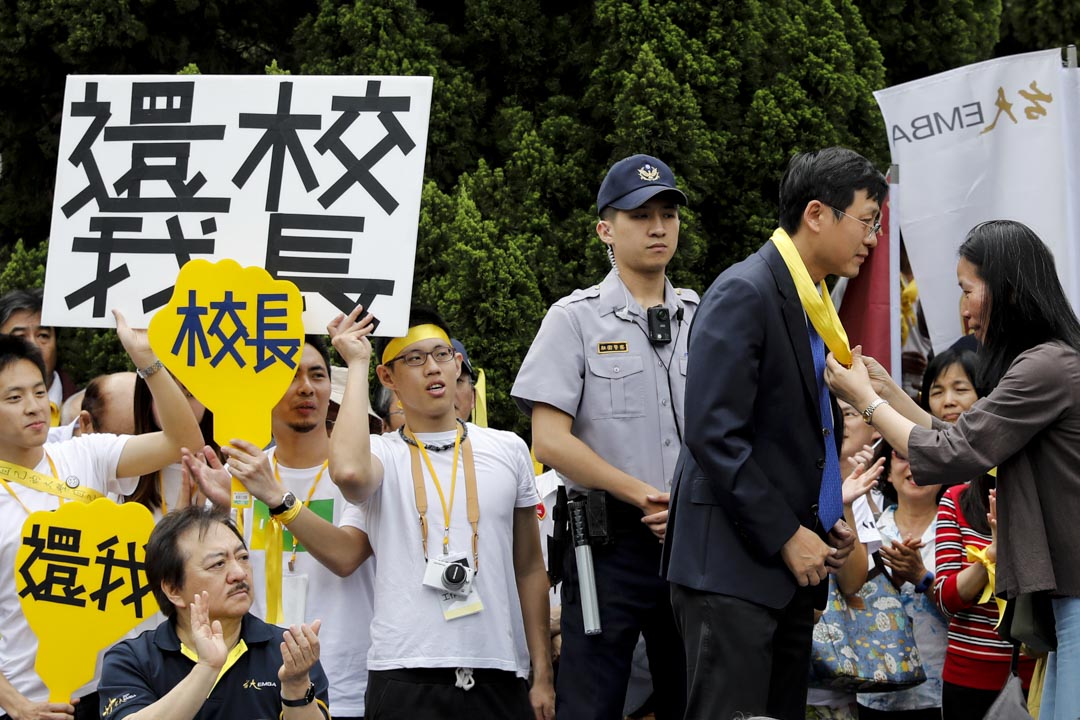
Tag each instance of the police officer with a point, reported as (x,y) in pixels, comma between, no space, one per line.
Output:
(603,382)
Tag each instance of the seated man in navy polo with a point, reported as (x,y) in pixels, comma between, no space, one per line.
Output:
(211,658)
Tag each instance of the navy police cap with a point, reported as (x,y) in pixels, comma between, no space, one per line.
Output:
(633,181)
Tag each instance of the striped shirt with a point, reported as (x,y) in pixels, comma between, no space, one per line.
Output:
(976,656)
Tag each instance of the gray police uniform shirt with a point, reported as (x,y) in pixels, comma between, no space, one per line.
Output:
(593,360)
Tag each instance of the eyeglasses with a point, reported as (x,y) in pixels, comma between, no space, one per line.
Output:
(871,228)
(416,358)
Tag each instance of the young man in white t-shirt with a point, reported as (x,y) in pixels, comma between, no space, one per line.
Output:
(93,462)
(323,573)
(440,649)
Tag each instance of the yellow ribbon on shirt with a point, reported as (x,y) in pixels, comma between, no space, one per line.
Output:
(273,540)
(815,300)
(54,415)
(979,555)
(479,411)
(909,295)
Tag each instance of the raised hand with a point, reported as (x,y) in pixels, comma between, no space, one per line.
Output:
(209,639)
(905,560)
(205,469)
(299,653)
(251,467)
(348,335)
(136,342)
(861,480)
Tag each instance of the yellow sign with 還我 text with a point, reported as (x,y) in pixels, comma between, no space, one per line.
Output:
(81,578)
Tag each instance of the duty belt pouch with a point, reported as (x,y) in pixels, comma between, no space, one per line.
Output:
(596,513)
(557,542)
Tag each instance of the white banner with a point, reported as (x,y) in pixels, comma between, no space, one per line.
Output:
(982,142)
(315,178)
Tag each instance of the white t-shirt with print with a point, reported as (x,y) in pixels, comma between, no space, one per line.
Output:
(344,605)
(409,630)
(90,458)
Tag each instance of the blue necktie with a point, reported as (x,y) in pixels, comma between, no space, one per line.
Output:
(831,497)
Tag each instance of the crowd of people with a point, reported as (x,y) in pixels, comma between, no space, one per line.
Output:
(720,467)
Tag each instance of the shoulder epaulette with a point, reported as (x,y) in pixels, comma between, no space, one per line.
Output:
(579,295)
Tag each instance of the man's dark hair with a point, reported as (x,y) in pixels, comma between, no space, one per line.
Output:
(16,300)
(832,176)
(418,315)
(13,349)
(319,343)
(1025,301)
(165,561)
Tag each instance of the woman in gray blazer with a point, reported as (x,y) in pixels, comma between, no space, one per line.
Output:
(1028,427)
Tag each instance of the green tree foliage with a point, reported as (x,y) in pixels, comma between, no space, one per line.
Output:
(532,102)
(924,37)
(1038,24)
(394,37)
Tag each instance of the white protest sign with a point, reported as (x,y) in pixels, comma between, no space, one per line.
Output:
(982,142)
(315,178)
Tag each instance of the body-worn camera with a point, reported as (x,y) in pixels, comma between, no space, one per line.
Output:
(451,575)
(659,325)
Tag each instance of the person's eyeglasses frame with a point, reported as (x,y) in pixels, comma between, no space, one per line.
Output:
(871,228)
(425,354)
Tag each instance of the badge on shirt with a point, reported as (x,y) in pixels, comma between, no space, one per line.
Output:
(613,346)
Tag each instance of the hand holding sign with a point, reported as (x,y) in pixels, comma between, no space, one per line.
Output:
(82,585)
(232,335)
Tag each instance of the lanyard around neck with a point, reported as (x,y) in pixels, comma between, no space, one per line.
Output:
(471,499)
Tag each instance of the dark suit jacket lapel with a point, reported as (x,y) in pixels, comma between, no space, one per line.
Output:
(794,318)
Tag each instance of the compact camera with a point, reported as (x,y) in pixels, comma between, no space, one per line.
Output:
(452,575)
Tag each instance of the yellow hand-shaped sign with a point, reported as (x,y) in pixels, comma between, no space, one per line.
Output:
(233,336)
(80,575)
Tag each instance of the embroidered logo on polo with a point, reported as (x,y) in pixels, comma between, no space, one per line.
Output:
(648,173)
(254,684)
(116,702)
(617,346)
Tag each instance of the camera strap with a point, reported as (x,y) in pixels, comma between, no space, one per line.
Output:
(472,500)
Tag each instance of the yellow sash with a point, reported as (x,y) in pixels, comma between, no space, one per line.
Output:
(816,302)
(44,483)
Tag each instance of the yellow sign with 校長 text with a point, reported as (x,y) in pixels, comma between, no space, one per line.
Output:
(233,336)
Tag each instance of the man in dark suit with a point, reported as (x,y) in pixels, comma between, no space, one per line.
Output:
(754,524)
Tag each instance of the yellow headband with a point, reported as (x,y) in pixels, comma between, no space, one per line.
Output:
(416,334)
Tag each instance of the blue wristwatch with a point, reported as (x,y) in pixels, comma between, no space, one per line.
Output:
(925,583)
